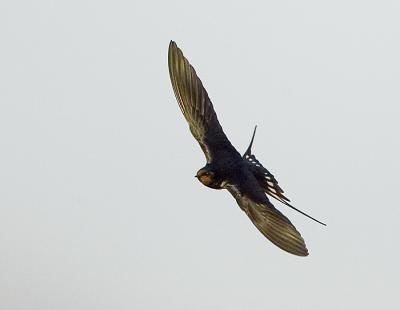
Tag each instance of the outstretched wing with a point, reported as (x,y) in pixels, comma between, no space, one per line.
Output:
(269,221)
(197,107)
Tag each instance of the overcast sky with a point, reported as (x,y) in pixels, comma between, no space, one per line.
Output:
(99,208)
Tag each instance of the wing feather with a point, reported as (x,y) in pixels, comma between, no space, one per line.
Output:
(270,222)
(196,106)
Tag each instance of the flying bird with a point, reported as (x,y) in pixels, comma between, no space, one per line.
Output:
(243,176)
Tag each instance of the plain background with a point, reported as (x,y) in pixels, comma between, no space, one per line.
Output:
(99,208)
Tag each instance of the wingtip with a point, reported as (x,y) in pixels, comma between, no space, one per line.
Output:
(172,45)
(299,252)
(305,253)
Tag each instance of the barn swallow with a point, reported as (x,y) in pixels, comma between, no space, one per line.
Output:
(243,176)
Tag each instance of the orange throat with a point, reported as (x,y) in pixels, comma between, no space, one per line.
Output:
(205,179)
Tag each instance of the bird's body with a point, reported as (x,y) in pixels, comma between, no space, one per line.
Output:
(243,176)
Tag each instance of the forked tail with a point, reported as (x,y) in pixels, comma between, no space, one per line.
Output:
(267,181)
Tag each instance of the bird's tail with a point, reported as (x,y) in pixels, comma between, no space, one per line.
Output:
(267,180)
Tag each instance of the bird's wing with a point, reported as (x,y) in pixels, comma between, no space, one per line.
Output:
(269,221)
(197,107)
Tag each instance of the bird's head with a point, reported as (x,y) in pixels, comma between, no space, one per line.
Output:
(207,176)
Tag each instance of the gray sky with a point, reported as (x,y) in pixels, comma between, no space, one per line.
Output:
(98,205)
